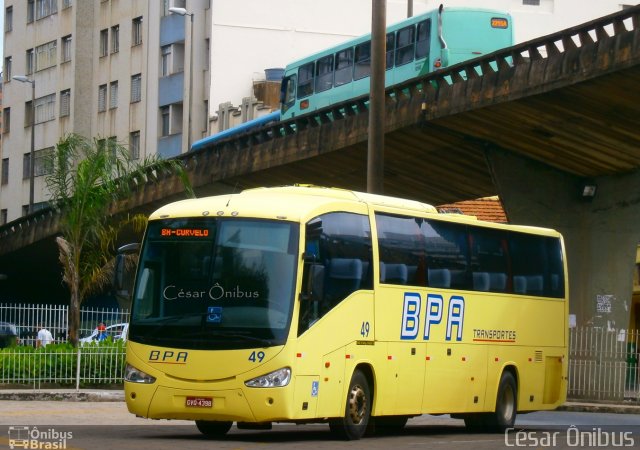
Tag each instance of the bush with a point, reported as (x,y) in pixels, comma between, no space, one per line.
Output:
(101,362)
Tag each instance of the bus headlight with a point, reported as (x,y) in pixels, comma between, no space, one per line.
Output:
(277,378)
(134,375)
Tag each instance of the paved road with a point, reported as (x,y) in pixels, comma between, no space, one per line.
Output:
(108,425)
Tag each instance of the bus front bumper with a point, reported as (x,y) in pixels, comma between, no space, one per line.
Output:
(235,405)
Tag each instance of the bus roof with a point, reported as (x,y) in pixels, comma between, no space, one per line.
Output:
(299,202)
(290,202)
(391,27)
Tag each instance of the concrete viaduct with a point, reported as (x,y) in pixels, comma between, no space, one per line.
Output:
(533,123)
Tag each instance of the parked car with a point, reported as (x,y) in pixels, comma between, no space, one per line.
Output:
(115,331)
(8,334)
(27,335)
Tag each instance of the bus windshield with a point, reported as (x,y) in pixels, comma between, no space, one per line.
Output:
(212,283)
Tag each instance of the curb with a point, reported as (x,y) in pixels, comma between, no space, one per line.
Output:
(600,408)
(67,396)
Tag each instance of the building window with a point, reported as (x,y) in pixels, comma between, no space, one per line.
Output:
(45,8)
(134,145)
(67,4)
(65,103)
(113,95)
(8,19)
(206,117)
(165,61)
(5,171)
(104,42)
(45,108)
(30,61)
(115,38)
(26,166)
(6,120)
(27,114)
(102,98)
(531,2)
(136,88)
(42,161)
(165,121)
(46,55)
(7,69)
(136,31)
(31,10)
(66,48)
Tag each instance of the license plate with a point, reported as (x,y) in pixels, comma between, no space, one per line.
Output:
(199,402)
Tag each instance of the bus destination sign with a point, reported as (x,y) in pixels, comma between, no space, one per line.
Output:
(184,232)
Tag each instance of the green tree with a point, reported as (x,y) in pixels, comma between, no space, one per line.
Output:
(90,182)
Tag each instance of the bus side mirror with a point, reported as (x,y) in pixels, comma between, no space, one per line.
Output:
(121,282)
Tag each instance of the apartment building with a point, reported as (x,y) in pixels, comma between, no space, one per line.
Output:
(109,69)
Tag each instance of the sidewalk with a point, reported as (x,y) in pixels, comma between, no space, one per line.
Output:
(69,395)
(104,395)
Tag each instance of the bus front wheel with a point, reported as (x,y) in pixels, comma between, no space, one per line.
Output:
(357,410)
(213,429)
(506,404)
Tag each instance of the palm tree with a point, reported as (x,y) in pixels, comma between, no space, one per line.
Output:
(90,181)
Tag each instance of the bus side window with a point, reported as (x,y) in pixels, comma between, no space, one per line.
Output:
(344,67)
(324,73)
(422,40)
(362,61)
(305,80)
(391,38)
(337,263)
(405,45)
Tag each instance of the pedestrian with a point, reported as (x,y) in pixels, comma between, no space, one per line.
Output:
(102,332)
(44,337)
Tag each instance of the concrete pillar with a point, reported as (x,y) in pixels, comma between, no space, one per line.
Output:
(601,235)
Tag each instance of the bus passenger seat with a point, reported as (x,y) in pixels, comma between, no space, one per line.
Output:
(519,284)
(497,282)
(535,284)
(393,273)
(481,281)
(440,278)
(343,278)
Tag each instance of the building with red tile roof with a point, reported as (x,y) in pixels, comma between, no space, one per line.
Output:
(486,208)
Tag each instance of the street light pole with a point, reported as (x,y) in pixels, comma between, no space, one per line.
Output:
(183,12)
(375,149)
(24,79)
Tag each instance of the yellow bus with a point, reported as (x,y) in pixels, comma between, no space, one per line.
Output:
(308,304)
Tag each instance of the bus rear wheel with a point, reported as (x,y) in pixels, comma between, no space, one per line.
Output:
(213,429)
(357,409)
(506,404)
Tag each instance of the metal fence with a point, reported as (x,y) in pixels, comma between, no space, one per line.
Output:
(60,366)
(27,317)
(603,365)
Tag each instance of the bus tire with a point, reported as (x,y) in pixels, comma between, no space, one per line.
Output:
(213,429)
(357,410)
(504,415)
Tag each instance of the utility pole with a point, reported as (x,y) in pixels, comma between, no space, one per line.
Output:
(375,150)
